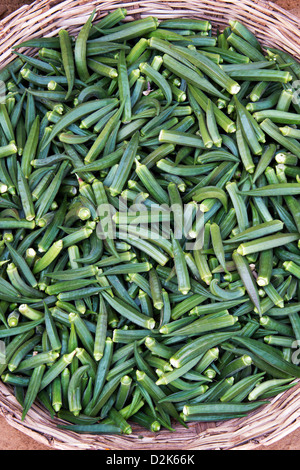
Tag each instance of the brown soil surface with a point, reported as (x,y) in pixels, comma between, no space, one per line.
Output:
(12,439)
(8,6)
(287,4)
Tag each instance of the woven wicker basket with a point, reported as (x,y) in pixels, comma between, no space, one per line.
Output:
(274,27)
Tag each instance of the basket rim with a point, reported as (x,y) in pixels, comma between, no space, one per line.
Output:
(237,434)
(283,25)
(241,438)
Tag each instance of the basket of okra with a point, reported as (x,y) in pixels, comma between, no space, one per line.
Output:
(150,219)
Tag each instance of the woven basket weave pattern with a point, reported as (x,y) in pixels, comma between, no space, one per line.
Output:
(274,27)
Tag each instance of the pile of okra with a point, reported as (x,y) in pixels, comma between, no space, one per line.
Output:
(190,312)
